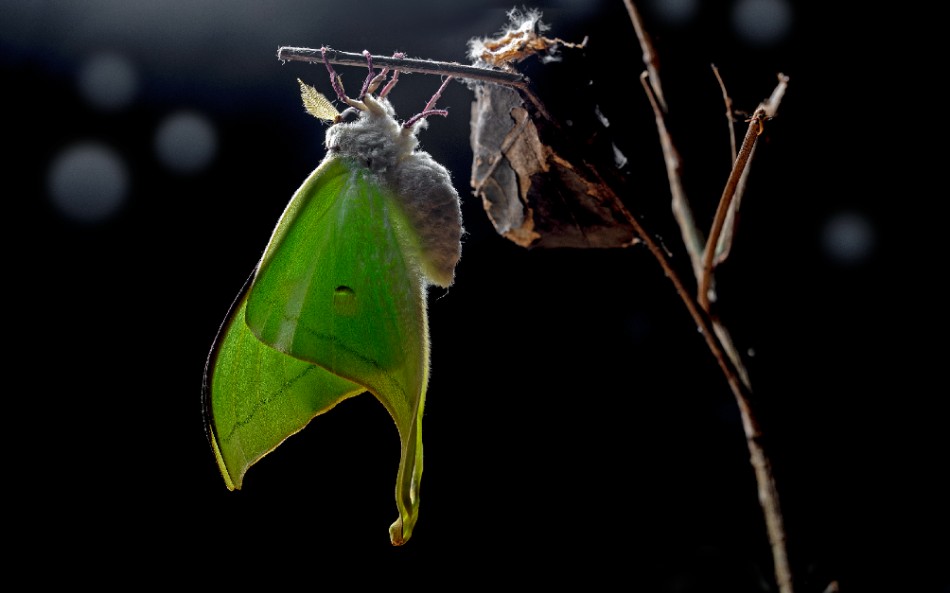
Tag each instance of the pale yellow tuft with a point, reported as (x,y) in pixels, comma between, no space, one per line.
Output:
(316,104)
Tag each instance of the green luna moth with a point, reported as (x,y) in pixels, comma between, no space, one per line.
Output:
(337,304)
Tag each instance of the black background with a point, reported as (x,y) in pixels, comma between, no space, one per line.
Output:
(576,426)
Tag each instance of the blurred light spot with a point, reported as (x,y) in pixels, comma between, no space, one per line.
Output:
(848,238)
(88,182)
(108,81)
(186,142)
(762,22)
(674,12)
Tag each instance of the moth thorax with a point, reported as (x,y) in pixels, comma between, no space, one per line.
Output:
(375,139)
(422,186)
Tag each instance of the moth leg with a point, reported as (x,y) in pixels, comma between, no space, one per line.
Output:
(337,83)
(389,85)
(372,81)
(430,106)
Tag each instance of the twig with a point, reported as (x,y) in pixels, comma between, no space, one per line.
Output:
(716,335)
(765,110)
(725,201)
(650,59)
(832,587)
(730,119)
(724,244)
(722,348)
(768,495)
(703,321)
(720,344)
(402,64)
(768,492)
(681,209)
(771,104)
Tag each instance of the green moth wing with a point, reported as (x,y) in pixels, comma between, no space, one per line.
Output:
(340,286)
(260,396)
(335,308)
(337,304)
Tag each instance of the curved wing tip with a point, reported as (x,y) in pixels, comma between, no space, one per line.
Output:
(397,534)
(231,483)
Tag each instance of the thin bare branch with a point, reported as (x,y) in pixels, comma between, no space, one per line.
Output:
(768,496)
(650,79)
(770,105)
(722,348)
(717,336)
(730,118)
(755,128)
(765,110)
(650,58)
(768,492)
(702,320)
(724,245)
(681,209)
(764,479)
(832,587)
(401,63)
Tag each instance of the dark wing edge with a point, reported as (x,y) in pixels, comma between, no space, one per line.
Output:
(207,411)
